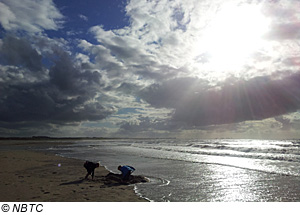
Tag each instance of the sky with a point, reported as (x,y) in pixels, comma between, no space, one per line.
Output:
(147,68)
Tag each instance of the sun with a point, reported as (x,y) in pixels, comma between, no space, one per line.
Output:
(233,34)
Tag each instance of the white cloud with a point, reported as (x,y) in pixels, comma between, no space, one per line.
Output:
(162,40)
(32,16)
(83,17)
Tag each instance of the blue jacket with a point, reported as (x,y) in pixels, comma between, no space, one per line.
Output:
(126,169)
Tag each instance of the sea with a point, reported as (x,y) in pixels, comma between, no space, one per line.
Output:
(198,170)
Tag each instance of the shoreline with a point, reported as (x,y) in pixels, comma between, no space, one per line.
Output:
(37,176)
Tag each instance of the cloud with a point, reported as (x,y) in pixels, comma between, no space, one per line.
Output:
(172,93)
(284,31)
(19,52)
(284,19)
(43,102)
(70,79)
(165,40)
(83,17)
(285,122)
(196,104)
(146,127)
(29,16)
(68,92)
(152,46)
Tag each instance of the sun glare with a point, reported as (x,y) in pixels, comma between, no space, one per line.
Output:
(233,35)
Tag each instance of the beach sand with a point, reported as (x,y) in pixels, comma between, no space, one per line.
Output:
(30,176)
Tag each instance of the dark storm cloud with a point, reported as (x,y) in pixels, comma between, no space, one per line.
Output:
(45,102)
(172,93)
(66,95)
(196,104)
(70,79)
(19,52)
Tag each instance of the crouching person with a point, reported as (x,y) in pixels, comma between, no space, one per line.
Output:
(126,171)
(90,168)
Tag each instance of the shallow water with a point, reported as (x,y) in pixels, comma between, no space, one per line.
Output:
(202,170)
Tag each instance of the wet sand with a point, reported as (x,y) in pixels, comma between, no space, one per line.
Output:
(30,176)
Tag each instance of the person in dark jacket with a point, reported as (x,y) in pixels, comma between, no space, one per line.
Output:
(90,168)
(126,171)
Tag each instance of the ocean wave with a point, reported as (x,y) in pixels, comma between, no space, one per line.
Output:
(289,155)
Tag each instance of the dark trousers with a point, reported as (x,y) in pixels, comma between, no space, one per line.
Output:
(126,177)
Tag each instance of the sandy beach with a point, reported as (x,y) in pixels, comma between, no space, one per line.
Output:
(30,176)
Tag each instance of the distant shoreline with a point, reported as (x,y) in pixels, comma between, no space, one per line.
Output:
(77,138)
(32,138)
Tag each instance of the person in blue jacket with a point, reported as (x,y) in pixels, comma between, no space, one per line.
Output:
(126,171)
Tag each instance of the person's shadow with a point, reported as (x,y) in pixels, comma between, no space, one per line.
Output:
(111,179)
(73,182)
